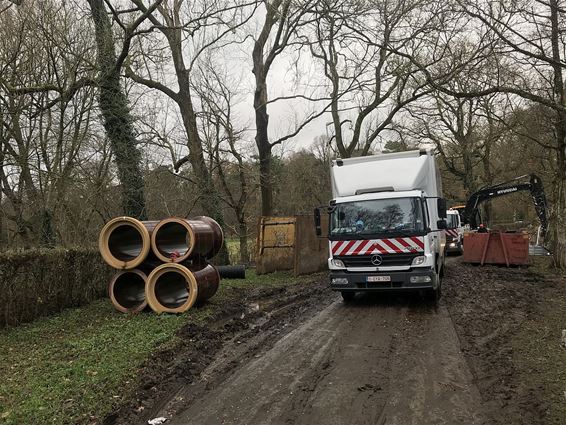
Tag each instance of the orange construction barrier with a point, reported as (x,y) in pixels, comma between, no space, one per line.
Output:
(496,248)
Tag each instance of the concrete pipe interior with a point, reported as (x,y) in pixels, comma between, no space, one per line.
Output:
(171,290)
(125,242)
(173,240)
(127,291)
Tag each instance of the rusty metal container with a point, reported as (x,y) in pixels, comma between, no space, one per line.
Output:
(176,240)
(496,248)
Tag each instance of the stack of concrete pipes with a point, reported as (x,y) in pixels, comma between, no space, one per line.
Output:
(162,264)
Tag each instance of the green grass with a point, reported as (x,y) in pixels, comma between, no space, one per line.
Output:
(76,366)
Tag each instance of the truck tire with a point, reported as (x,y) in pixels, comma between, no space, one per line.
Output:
(433,295)
(348,296)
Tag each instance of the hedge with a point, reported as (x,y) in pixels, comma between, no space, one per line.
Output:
(39,282)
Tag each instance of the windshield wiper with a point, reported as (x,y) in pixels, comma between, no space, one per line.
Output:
(350,235)
(397,232)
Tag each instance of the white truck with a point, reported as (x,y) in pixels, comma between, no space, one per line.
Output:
(386,225)
(454,232)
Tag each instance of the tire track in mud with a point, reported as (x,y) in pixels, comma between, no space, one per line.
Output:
(381,360)
(301,356)
(351,380)
(175,376)
(319,373)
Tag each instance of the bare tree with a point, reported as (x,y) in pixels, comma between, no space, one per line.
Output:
(356,45)
(529,56)
(189,30)
(45,111)
(283,20)
(118,121)
(224,141)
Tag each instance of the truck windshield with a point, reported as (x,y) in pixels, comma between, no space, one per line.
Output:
(452,221)
(380,216)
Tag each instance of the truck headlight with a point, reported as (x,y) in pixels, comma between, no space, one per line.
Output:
(420,279)
(417,261)
(338,263)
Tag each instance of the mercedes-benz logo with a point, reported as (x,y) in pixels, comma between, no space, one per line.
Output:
(376,260)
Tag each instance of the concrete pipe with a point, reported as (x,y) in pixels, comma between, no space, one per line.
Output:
(178,239)
(127,291)
(218,234)
(175,288)
(232,272)
(125,242)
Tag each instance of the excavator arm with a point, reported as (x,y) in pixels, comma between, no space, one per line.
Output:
(534,185)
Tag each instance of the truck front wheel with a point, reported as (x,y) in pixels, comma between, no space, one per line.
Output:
(348,296)
(434,295)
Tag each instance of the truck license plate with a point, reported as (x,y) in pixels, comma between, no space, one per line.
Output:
(379,278)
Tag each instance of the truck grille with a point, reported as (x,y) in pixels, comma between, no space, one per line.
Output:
(388,260)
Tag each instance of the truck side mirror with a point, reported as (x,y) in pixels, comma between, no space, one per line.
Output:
(441,224)
(317,222)
(441,206)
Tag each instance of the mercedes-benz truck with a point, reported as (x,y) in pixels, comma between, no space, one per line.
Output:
(387,224)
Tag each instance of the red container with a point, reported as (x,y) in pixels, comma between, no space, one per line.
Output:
(496,248)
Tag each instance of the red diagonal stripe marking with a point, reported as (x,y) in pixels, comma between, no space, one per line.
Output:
(360,247)
(381,247)
(407,245)
(336,247)
(347,248)
(391,245)
(418,242)
(373,246)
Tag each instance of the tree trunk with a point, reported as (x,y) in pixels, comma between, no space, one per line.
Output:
(3,232)
(487,177)
(243,235)
(266,182)
(117,118)
(468,180)
(557,229)
(209,198)
(557,224)
(46,228)
(263,144)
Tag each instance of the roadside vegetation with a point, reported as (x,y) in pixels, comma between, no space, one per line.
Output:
(76,366)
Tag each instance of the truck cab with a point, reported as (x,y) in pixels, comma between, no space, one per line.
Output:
(454,232)
(386,225)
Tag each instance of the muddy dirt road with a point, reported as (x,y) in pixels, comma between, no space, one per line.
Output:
(302,356)
(368,363)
